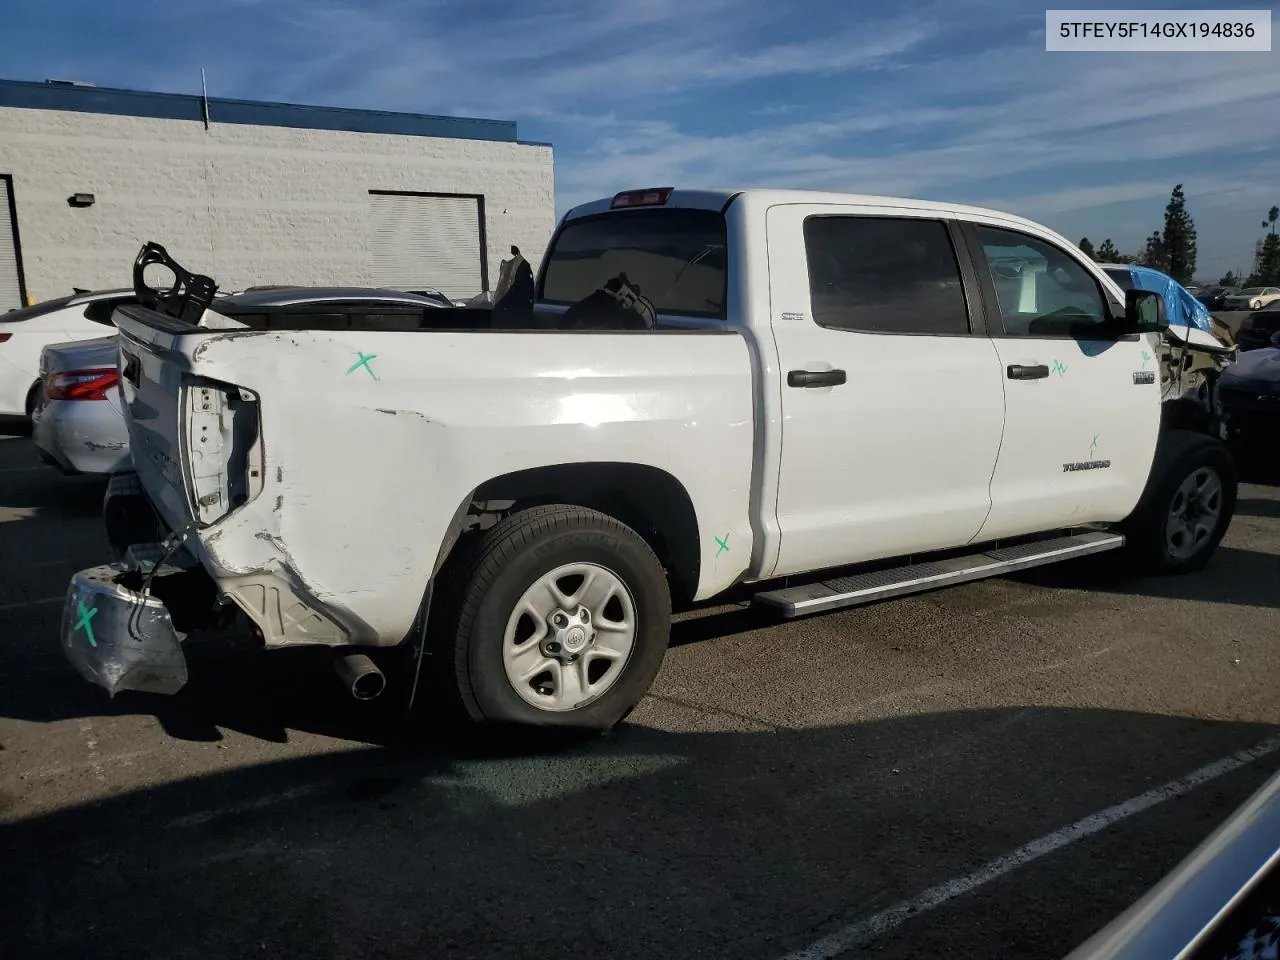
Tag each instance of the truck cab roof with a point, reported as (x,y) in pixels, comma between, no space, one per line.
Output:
(763,198)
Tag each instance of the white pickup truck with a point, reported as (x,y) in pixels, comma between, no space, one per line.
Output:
(834,399)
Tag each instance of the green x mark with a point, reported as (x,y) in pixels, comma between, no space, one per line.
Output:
(1093,445)
(1059,368)
(363,362)
(1146,358)
(83,623)
(723,544)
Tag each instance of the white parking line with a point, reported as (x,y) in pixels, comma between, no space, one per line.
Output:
(878,924)
(22,605)
(260,803)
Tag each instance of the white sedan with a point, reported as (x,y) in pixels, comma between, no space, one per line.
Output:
(1253,298)
(78,423)
(25,333)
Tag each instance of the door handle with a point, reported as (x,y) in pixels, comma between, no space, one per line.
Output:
(815,378)
(1018,371)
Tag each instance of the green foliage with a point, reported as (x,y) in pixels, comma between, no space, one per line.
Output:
(1107,253)
(1154,254)
(1087,248)
(1267,271)
(1177,245)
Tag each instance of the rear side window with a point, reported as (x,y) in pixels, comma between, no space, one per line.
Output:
(675,257)
(884,275)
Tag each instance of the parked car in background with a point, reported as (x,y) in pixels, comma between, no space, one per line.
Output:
(1215,298)
(1259,328)
(78,425)
(1249,392)
(1252,298)
(25,333)
(1221,903)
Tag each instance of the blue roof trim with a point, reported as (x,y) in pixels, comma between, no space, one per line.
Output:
(183,106)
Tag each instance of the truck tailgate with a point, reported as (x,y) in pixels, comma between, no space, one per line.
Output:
(191,437)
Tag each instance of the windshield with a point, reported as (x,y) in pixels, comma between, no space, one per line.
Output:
(676,259)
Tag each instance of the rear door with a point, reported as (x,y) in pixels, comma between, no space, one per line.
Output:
(1082,405)
(892,398)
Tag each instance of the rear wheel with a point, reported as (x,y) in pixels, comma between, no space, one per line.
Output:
(1187,506)
(558,616)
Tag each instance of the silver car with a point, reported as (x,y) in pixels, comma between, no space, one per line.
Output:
(78,423)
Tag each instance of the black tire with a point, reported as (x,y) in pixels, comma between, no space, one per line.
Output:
(33,397)
(1180,455)
(483,585)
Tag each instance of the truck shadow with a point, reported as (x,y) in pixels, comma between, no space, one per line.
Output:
(1234,576)
(640,844)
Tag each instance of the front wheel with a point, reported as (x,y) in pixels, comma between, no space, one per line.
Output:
(559,617)
(1187,506)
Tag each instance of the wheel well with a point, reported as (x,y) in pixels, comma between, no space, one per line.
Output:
(649,500)
(1182,414)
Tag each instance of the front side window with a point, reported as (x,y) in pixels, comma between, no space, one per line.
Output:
(1042,291)
(884,275)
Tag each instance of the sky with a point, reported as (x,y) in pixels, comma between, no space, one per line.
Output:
(955,100)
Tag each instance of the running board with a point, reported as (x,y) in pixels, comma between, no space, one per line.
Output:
(932,574)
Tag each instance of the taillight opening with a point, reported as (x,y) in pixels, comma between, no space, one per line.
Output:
(81,384)
(5,336)
(649,197)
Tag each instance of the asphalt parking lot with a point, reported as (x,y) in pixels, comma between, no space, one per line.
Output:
(800,789)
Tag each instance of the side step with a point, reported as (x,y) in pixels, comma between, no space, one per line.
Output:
(932,574)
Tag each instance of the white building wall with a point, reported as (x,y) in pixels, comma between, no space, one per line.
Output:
(245,204)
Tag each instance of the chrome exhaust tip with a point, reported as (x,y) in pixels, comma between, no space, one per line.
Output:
(360,675)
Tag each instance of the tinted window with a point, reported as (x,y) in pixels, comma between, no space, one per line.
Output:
(100,311)
(675,257)
(884,275)
(1043,292)
(1123,277)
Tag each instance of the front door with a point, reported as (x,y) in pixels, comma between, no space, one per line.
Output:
(892,398)
(1082,405)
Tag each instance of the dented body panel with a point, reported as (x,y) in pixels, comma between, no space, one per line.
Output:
(320,472)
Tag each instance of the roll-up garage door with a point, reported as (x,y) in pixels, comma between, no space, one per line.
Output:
(429,242)
(10,280)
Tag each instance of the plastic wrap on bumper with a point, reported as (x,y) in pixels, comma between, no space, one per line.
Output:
(118,639)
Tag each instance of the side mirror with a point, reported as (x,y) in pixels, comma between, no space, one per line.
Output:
(1275,339)
(1144,312)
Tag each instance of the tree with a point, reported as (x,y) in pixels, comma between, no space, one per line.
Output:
(1087,248)
(1153,254)
(1177,245)
(1107,253)
(1229,280)
(1272,216)
(1267,273)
